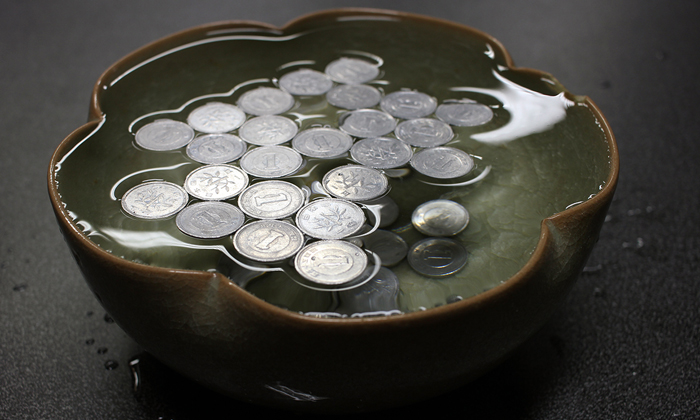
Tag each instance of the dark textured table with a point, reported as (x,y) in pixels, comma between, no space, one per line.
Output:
(624,344)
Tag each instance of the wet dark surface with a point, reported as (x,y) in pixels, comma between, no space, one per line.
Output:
(623,345)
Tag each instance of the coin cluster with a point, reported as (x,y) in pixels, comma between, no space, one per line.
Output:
(274,218)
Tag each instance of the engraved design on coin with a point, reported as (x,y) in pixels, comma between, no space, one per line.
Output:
(424,132)
(381,152)
(266,101)
(331,262)
(154,200)
(216,117)
(408,104)
(268,130)
(216,182)
(440,218)
(442,162)
(164,134)
(437,257)
(268,240)
(390,247)
(367,123)
(305,82)
(271,161)
(355,183)
(330,218)
(271,200)
(322,142)
(353,96)
(464,114)
(351,70)
(216,148)
(209,219)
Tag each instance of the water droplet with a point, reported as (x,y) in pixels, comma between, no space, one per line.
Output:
(453,298)
(649,209)
(609,218)
(634,245)
(108,319)
(20,287)
(102,350)
(90,341)
(111,364)
(634,212)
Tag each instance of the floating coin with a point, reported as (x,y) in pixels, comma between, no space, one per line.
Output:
(268,240)
(216,148)
(408,104)
(216,117)
(216,182)
(437,257)
(268,130)
(271,161)
(440,218)
(322,142)
(388,212)
(163,135)
(381,152)
(353,96)
(442,162)
(464,114)
(355,183)
(367,123)
(330,262)
(154,200)
(424,132)
(330,218)
(271,200)
(306,82)
(210,219)
(380,294)
(390,247)
(266,101)
(351,70)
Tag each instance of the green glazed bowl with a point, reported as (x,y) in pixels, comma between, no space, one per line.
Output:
(209,329)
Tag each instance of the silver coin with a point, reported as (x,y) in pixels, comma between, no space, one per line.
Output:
(266,101)
(390,247)
(442,162)
(367,123)
(209,219)
(322,142)
(271,200)
(440,218)
(355,183)
(464,114)
(154,200)
(424,132)
(216,182)
(381,152)
(388,211)
(271,161)
(216,148)
(306,82)
(216,117)
(331,262)
(437,257)
(353,96)
(379,294)
(408,104)
(164,134)
(351,70)
(330,218)
(268,130)
(268,240)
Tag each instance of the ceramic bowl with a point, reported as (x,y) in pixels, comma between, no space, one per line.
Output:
(209,329)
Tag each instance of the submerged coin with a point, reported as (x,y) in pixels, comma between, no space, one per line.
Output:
(351,70)
(367,123)
(408,104)
(268,240)
(442,162)
(380,294)
(266,101)
(322,142)
(424,132)
(210,219)
(330,218)
(353,96)
(271,161)
(216,117)
(388,211)
(216,148)
(355,183)
(216,182)
(390,247)
(437,257)
(306,82)
(163,135)
(330,262)
(271,200)
(154,200)
(440,218)
(268,130)
(468,114)
(381,152)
